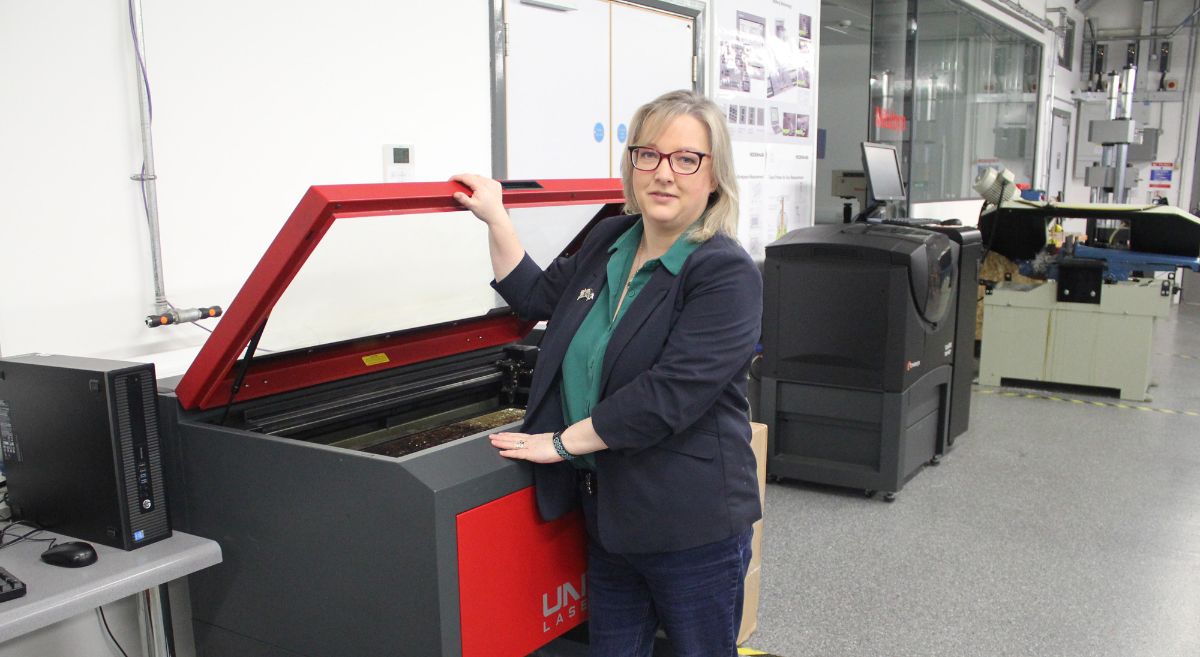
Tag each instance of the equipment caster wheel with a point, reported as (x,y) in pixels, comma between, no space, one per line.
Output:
(936,460)
(773,479)
(889,497)
(869,493)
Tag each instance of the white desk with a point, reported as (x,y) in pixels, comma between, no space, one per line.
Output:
(54,593)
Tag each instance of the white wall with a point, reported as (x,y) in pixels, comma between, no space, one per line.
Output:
(253,103)
(83,635)
(843,104)
(1065,82)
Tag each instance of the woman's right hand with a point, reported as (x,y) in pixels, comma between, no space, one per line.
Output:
(486,200)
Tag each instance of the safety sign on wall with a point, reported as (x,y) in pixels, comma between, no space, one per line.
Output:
(1162,175)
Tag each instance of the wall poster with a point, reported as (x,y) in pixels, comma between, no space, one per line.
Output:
(766,83)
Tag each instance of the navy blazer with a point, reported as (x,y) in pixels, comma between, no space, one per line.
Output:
(679,471)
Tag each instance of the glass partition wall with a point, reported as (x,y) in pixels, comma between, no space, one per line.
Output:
(955,91)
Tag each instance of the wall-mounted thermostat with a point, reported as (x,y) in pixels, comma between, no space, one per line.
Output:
(398,163)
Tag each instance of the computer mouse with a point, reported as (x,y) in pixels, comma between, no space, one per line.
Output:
(74,554)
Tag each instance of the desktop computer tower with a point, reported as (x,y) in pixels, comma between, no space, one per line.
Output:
(81,449)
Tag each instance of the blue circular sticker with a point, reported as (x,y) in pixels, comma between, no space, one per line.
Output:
(622,133)
(598,132)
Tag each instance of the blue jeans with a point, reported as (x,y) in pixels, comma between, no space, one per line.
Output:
(696,595)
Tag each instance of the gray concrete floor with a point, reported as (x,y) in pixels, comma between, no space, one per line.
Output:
(1053,529)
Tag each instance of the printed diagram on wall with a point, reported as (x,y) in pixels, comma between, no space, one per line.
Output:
(741,54)
(758,62)
(766,84)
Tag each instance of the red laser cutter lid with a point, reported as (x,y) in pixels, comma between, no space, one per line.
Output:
(208,383)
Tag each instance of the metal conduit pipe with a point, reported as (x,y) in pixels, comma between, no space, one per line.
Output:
(146,177)
(166,313)
(1123,34)
(1195,10)
(1186,116)
(1022,14)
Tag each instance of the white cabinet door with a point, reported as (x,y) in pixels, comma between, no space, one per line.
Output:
(1059,138)
(557,90)
(651,54)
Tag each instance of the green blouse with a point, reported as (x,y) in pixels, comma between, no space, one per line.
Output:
(584,360)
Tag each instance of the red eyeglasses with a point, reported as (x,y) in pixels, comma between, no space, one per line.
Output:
(685,163)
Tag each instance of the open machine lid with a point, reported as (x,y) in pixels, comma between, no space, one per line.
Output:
(1017,229)
(209,381)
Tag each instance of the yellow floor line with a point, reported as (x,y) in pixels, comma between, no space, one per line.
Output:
(1183,356)
(1102,404)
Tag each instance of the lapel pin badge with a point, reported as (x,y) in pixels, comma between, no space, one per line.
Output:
(586,294)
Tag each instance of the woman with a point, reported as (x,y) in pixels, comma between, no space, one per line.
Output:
(638,410)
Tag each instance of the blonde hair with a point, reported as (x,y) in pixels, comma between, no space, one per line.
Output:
(649,121)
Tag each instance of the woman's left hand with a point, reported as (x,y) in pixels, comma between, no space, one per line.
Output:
(536,447)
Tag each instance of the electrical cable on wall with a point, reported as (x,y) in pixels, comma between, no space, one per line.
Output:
(166,312)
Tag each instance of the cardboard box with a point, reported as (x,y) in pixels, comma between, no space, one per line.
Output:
(750,605)
(758,442)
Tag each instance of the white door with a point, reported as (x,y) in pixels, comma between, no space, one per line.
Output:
(557,90)
(574,78)
(651,55)
(1059,139)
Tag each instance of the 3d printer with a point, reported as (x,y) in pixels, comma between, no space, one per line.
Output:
(866,368)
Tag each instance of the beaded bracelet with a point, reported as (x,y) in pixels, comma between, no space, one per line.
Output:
(558,447)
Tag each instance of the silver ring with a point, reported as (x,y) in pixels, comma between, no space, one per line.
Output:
(520,444)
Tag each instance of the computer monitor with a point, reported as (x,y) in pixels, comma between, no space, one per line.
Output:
(882,165)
